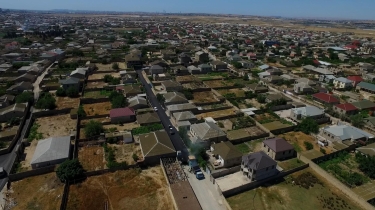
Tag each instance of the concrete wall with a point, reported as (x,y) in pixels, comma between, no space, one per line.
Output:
(223,172)
(93,100)
(51,112)
(35,172)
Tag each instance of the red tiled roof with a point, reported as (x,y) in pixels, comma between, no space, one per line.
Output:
(346,107)
(121,112)
(355,78)
(325,97)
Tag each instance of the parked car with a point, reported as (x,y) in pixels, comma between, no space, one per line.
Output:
(199,175)
(2,172)
(155,109)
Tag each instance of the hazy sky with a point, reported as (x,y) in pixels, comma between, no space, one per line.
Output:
(351,9)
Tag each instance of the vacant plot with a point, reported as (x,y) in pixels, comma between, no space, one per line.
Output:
(297,139)
(97,108)
(265,118)
(59,125)
(238,92)
(243,148)
(101,119)
(186,79)
(130,189)
(204,97)
(309,192)
(66,102)
(104,67)
(124,152)
(290,164)
(122,127)
(97,94)
(100,76)
(92,158)
(218,114)
(38,192)
(218,83)
(99,84)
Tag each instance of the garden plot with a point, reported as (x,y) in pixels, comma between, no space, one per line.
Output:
(238,92)
(218,114)
(218,83)
(97,94)
(122,127)
(124,152)
(104,67)
(204,97)
(301,190)
(92,85)
(265,118)
(298,139)
(102,108)
(66,102)
(186,79)
(100,76)
(37,192)
(103,120)
(129,189)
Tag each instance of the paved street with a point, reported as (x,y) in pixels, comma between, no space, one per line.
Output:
(38,81)
(176,140)
(207,195)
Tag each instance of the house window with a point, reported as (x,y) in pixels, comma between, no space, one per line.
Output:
(264,145)
(290,151)
(284,153)
(267,169)
(268,149)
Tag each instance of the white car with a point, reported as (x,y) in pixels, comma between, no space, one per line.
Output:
(156,109)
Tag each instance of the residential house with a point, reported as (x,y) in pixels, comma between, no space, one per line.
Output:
(257,88)
(342,133)
(345,109)
(325,98)
(302,88)
(159,63)
(25,78)
(122,115)
(156,145)
(355,80)
(137,102)
(274,79)
(6,100)
(207,132)
(274,71)
(368,150)
(274,97)
(53,55)
(226,154)
(235,58)
(193,69)
(364,105)
(278,148)
(258,165)
(201,57)
(128,79)
(17,110)
(205,68)
(342,83)
(184,116)
(264,67)
(70,82)
(78,73)
(174,98)
(365,86)
(51,151)
(133,61)
(247,64)
(180,70)
(148,118)
(171,85)
(369,121)
(370,77)
(168,54)
(181,107)
(156,69)
(131,90)
(219,65)
(328,79)
(20,87)
(313,70)
(300,113)
(184,59)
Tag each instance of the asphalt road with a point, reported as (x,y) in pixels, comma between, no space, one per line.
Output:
(176,139)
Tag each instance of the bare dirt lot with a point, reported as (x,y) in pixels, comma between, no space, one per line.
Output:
(123,127)
(129,189)
(59,125)
(297,139)
(238,92)
(101,75)
(104,67)
(99,84)
(100,119)
(204,97)
(38,192)
(217,114)
(186,78)
(66,102)
(92,158)
(29,153)
(124,152)
(218,83)
(97,108)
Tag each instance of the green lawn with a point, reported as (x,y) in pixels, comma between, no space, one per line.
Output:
(285,195)
(243,148)
(290,164)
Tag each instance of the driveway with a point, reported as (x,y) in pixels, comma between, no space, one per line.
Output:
(207,195)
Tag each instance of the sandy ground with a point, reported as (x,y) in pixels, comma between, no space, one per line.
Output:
(29,152)
(129,189)
(124,152)
(97,108)
(104,67)
(203,97)
(99,84)
(66,102)
(299,138)
(101,75)
(38,192)
(217,114)
(59,125)
(124,127)
(92,158)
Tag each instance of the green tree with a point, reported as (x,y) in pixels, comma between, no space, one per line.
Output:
(188,94)
(72,92)
(236,64)
(115,66)
(119,101)
(70,170)
(107,78)
(81,112)
(308,145)
(366,164)
(160,98)
(60,92)
(93,128)
(261,98)
(308,125)
(46,101)
(135,157)
(357,120)
(25,97)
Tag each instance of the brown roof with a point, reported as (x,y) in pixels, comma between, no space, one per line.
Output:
(148,118)
(156,143)
(226,150)
(278,144)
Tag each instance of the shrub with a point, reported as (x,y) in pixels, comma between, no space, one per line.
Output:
(72,92)
(60,92)
(135,157)
(308,145)
(25,97)
(323,151)
(70,170)
(46,101)
(93,128)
